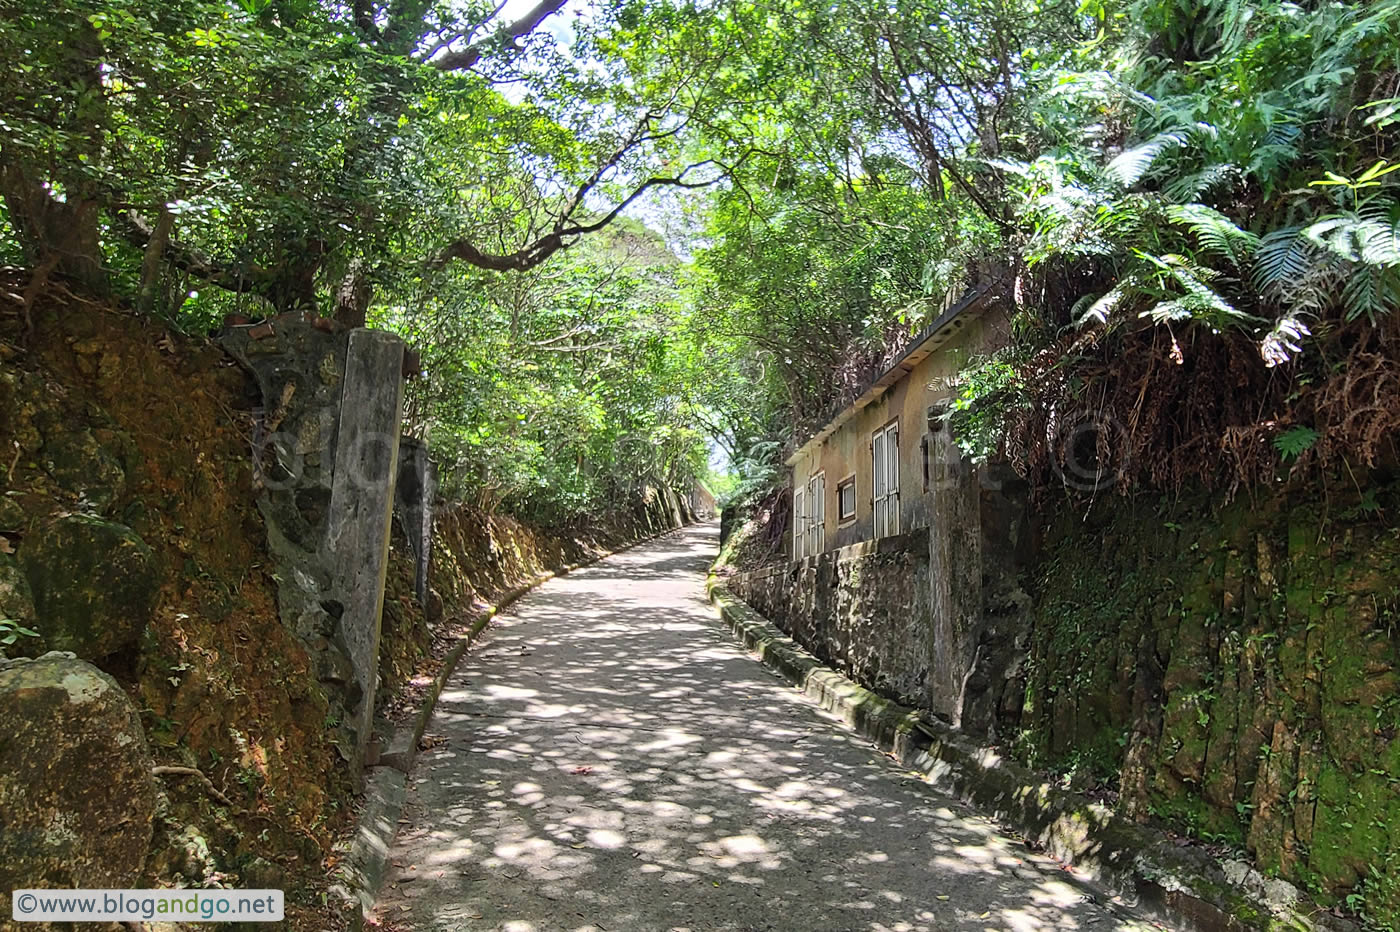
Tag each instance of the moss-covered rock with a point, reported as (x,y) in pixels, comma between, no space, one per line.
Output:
(76,790)
(93,583)
(83,468)
(12,516)
(1257,639)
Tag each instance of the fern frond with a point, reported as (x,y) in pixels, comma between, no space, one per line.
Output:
(1076,312)
(1177,309)
(1266,160)
(1216,233)
(1099,311)
(1283,256)
(1379,240)
(1193,278)
(1234,29)
(1130,166)
(1368,238)
(1371,291)
(1200,301)
(1191,186)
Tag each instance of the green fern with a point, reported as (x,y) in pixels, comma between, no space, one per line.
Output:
(1284,255)
(1131,166)
(1190,186)
(1370,292)
(1200,302)
(1379,239)
(1295,441)
(1217,234)
(1368,238)
(1101,309)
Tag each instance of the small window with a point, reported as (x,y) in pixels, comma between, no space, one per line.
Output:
(925,449)
(846,500)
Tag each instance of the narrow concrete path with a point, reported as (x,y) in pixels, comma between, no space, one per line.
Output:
(610,760)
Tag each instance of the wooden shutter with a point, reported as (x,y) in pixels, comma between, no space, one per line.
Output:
(799,526)
(892,485)
(885,480)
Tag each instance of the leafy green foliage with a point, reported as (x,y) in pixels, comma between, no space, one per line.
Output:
(11,631)
(991,392)
(556,393)
(1215,217)
(1295,441)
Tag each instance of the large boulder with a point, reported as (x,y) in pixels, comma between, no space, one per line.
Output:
(94,584)
(77,795)
(83,468)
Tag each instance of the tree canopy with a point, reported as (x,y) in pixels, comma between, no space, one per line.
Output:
(634,237)
(624,231)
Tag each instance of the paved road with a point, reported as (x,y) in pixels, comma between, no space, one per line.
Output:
(611,760)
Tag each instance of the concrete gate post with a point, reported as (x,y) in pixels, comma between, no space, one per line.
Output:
(361,507)
(417,487)
(955,573)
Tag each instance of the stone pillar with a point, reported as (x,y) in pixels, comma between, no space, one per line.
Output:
(955,572)
(414,494)
(995,687)
(979,622)
(362,506)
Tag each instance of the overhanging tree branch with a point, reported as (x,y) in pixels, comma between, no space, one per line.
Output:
(564,231)
(141,234)
(508,34)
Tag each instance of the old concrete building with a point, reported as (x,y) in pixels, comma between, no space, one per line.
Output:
(872,470)
(906,561)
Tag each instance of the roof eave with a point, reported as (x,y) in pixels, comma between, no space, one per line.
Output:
(923,346)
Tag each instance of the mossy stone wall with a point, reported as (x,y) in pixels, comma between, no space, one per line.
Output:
(1233,671)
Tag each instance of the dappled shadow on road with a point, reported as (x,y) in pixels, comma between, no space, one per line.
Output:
(610,761)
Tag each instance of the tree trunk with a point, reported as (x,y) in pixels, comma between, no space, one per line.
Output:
(152,259)
(353,296)
(62,235)
(291,281)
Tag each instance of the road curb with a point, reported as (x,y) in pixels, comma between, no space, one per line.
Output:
(1182,888)
(364,867)
(386,783)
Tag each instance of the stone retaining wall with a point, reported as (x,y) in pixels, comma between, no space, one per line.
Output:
(863,609)
(937,617)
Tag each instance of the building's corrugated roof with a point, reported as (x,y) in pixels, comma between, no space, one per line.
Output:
(928,340)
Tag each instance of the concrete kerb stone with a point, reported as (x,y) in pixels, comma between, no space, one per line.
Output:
(1180,887)
(387,782)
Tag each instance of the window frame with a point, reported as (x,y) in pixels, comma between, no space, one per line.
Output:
(885,477)
(799,522)
(843,519)
(816,509)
